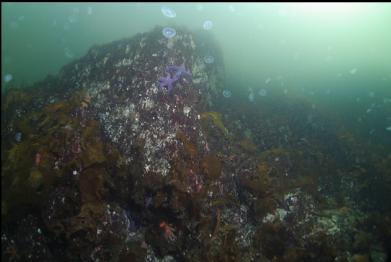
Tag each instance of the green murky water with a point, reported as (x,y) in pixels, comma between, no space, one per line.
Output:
(335,55)
(290,162)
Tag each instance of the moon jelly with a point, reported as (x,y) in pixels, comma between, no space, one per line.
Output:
(268,80)
(72,19)
(231,8)
(263,92)
(7,78)
(18,137)
(227,93)
(208,25)
(200,7)
(168,12)
(209,59)
(169,32)
(68,52)
(251,97)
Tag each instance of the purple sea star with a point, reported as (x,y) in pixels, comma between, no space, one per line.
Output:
(173,74)
(167,81)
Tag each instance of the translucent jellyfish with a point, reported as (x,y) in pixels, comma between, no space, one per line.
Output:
(168,12)
(227,93)
(169,32)
(208,25)
(68,53)
(209,59)
(262,92)
(251,97)
(353,71)
(89,10)
(371,94)
(18,137)
(388,128)
(8,78)
(268,80)
(200,7)
(72,19)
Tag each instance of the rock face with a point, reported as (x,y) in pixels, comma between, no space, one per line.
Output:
(121,158)
(121,80)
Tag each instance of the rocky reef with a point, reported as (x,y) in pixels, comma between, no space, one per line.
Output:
(126,155)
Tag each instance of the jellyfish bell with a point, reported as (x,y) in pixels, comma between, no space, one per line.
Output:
(231,8)
(209,59)
(168,12)
(227,93)
(200,7)
(208,25)
(8,78)
(262,92)
(169,32)
(251,97)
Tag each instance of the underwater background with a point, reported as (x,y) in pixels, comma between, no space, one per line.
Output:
(196,131)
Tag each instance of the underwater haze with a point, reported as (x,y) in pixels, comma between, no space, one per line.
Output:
(334,54)
(196,131)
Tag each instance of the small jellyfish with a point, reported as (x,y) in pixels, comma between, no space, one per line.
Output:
(262,92)
(168,12)
(200,7)
(169,32)
(371,94)
(68,53)
(18,137)
(231,8)
(72,19)
(268,80)
(388,128)
(353,71)
(207,25)
(209,59)
(251,97)
(227,93)
(8,78)
(89,10)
